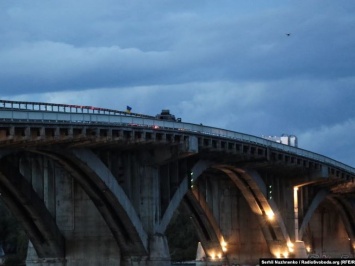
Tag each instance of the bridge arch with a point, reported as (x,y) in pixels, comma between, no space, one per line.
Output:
(109,198)
(337,207)
(254,190)
(25,204)
(252,187)
(317,200)
(206,226)
(347,215)
(198,168)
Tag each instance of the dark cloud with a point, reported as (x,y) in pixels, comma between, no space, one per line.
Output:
(54,47)
(228,64)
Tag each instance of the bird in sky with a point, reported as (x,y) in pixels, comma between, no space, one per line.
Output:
(288,34)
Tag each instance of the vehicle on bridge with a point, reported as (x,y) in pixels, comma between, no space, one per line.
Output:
(165,115)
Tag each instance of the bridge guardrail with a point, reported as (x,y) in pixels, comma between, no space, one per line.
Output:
(65,108)
(116,119)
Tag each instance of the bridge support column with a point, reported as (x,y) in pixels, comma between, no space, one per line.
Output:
(212,262)
(134,261)
(159,254)
(300,250)
(33,260)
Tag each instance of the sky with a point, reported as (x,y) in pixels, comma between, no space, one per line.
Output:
(256,67)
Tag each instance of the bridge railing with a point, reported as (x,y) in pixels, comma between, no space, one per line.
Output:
(65,108)
(35,116)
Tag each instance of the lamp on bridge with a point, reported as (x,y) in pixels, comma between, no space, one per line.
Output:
(224,246)
(270,215)
(269,192)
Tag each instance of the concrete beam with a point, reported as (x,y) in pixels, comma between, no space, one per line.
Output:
(110,199)
(347,215)
(183,188)
(317,200)
(31,211)
(253,189)
(206,225)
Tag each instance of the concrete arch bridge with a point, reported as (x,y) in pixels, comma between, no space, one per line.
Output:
(94,186)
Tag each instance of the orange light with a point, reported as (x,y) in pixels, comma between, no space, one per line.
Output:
(270,215)
(213,255)
(224,246)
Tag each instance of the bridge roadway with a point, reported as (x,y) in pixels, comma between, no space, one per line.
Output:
(94,186)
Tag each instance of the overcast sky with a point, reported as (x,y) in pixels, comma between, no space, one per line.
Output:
(227,64)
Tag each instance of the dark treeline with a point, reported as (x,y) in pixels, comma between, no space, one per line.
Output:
(13,239)
(182,237)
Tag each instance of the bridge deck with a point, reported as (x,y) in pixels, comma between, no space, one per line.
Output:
(44,123)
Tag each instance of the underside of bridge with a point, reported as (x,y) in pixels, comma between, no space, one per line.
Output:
(330,231)
(270,214)
(245,226)
(112,206)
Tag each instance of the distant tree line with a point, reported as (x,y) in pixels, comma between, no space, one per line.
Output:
(182,237)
